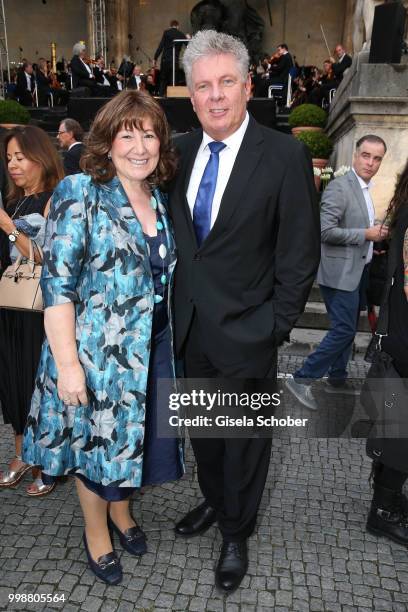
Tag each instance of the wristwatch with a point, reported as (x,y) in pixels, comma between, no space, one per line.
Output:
(14,235)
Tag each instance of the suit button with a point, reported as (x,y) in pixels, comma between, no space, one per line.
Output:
(197,257)
(363,257)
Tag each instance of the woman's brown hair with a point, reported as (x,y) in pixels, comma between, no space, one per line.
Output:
(127,110)
(36,146)
(399,199)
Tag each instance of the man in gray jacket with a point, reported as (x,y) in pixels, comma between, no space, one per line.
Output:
(347,232)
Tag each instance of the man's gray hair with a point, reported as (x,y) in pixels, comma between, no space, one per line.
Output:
(78,48)
(209,42)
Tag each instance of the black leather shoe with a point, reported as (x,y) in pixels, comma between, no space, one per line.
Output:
(107,568)
(232,566)
(133,539)
(197,521)
(388,515)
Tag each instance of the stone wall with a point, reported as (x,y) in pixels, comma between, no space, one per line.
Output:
(373,99)
(296,22)
(33,25)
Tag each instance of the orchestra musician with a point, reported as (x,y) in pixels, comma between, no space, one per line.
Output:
(102,77)
(82,73)
(137,80)
(323,86)
(25,84)
(280,64)
(47,83)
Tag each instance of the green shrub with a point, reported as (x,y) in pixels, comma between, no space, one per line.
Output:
(12,112)
(318,143)
(308,115)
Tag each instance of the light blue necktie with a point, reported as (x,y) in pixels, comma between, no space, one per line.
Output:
(205,195)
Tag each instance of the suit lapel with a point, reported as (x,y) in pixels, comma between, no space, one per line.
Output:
(249,155)
(185,175)
(358,193)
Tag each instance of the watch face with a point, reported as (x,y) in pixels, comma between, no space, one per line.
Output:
(12,238)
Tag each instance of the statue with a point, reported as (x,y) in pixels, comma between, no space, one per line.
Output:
(234,17)
(363,23)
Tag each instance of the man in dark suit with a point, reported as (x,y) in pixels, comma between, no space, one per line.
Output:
(69,136)
(278,72)
(25,84)
(136,81)
(82,75)
(165,49)
(343,62)
(246,222)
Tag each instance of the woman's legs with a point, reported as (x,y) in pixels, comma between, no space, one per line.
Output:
(16,463)
(95,511)
(120,515)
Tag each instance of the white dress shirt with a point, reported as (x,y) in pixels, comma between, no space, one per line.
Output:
(227,159)
(87,67)
(370,209)
(28,79)
(74,144)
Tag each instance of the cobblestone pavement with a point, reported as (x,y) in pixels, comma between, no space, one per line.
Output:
(310,551)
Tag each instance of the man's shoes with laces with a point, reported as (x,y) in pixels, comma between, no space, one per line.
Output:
(343,387)
(196,521)
(232,566)
(302,392)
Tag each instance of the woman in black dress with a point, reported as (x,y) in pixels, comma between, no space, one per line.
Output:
(389,508)
(34,169)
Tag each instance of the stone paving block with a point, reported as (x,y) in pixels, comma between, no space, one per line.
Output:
(310,552)
(79,593)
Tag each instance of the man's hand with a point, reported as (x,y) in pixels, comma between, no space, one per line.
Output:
(71,385)
(376,233)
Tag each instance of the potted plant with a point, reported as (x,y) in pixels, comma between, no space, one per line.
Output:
(12,113)
(320,147)
(307,117)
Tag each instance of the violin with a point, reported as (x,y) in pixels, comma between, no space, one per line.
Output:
(274,58)
(54,82)
(89,60)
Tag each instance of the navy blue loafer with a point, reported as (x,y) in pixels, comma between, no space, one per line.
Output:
(107,568)
(133,539)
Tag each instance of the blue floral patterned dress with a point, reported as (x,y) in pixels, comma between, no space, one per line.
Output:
(96,256)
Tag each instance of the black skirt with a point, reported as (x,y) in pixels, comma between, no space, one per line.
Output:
(21,337)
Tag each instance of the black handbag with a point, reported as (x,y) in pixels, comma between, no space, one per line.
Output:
(384,396)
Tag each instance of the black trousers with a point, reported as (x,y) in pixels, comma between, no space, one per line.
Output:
(231,471)
(388,477)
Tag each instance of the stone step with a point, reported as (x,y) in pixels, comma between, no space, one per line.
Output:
(48,118)
(315,317)
(315,295)
(305,341)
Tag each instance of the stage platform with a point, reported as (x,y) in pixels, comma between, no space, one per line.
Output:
(179,112)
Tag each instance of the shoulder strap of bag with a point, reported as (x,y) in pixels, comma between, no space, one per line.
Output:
(383,319)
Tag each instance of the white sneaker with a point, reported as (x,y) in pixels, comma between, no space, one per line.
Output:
(303,393)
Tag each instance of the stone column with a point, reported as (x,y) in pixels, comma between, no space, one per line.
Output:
(121,29)
(347,35)
(110,15)
(372,99)
(90,43)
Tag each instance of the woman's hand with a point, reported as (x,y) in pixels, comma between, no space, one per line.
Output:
(71,385)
